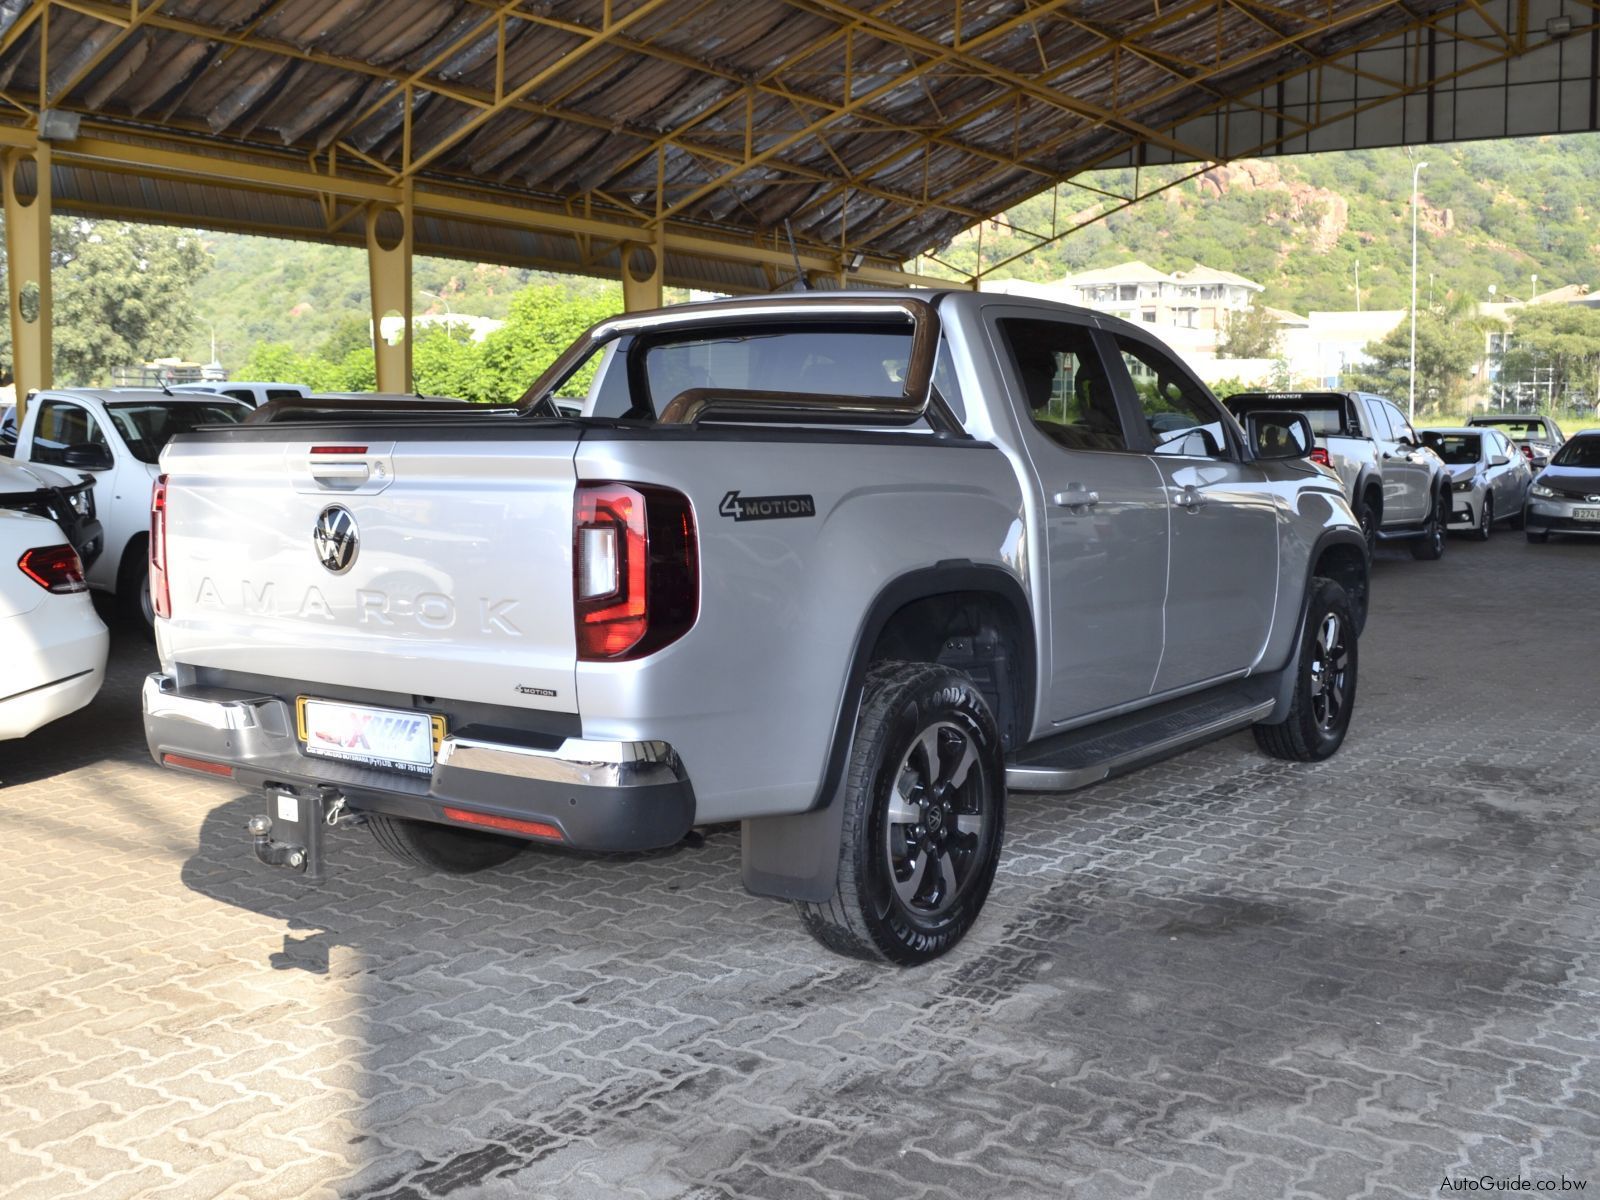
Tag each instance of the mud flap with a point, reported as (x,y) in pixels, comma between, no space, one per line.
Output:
(794,857)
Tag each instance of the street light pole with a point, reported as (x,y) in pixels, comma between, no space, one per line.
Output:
(1411,404)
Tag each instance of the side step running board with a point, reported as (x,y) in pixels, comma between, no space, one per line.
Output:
(1077,759)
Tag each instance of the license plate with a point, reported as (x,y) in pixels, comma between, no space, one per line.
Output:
(1586,514)
(391,738)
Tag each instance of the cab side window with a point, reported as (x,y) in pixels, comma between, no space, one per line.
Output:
(60,426)
(1064,384)
(1183,420)
(1397,422)
(1378,421)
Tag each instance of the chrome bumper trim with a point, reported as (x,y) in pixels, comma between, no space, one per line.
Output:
(577,762)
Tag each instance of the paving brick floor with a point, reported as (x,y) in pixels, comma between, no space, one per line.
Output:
(1222,976)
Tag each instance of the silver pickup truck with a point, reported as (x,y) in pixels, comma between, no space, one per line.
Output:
(842,567)
(1398,487)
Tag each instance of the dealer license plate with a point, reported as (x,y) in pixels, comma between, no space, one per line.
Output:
(1586,514)
(391,738)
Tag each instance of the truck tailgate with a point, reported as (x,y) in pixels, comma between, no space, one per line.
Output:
(443,564)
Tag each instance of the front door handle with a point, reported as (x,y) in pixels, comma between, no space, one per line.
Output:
(1076,499)
(1190,498)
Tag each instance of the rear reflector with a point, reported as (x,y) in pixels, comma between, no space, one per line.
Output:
(54,568)
(185,763)
(1319,455)
(536,829)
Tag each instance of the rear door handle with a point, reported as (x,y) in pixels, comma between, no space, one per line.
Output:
(1189,498)
(1076,499)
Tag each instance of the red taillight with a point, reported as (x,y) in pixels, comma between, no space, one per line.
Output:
(1319,455)
(54,568)
(1527,453)
(536,829)
(635,569)
(160,596)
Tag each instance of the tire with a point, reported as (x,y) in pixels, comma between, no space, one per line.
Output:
(1319,715)
(133,593)
(926,756)
(1485,517)
(1367,516)
(1430,546)
(1537,537)
(441,847)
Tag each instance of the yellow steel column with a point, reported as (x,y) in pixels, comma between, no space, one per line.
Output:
(642,269)
(28,271)
(389,266)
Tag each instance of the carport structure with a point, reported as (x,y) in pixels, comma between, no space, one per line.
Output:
(721,144)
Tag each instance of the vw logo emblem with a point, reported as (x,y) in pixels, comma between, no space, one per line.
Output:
(335,539)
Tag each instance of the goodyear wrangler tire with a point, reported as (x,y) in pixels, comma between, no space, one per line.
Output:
(441,847)
(924,818)
(1325,681)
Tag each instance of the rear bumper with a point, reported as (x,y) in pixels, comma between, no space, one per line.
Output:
(55,663)
(600,795)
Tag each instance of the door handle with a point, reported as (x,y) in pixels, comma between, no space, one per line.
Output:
(1189,498)
(1076,499)
(340,475)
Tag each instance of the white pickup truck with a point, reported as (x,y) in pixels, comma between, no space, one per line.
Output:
(842,567)
(114,436)
(1398,487)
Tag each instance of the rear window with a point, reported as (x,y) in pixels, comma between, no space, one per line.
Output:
(1515,428)
(819,362)
(1457,449)
(1326,416)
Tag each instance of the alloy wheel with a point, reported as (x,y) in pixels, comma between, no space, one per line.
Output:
(1330,671)
(936,819)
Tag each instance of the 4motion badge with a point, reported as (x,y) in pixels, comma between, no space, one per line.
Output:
(766,508)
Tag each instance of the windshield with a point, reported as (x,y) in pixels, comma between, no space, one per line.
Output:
(147,426)
(1580,452)
(1457,449)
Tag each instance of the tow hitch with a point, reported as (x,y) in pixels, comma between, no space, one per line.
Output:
(298,822)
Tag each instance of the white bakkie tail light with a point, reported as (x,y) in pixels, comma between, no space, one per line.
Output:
(635,569)
(160,596)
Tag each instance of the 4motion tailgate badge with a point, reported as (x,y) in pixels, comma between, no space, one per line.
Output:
(766,508)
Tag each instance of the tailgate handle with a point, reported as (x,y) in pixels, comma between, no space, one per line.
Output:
(340,474)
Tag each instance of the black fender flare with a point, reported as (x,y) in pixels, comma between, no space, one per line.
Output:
(796,856)
(1368,477)
(1341,536)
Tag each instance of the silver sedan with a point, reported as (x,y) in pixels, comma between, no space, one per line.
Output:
(1489,477)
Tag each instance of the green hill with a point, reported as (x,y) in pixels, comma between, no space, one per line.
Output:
(1491,213)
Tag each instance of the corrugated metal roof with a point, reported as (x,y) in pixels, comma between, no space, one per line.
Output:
(886,129)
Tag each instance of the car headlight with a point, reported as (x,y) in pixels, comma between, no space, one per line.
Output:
(1542,492)
(1463,485)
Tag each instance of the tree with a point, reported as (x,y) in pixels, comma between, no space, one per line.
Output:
(1448,348)
(123,294)
(1249,332)
(1561,339)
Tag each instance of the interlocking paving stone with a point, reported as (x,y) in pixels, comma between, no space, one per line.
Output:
(1222,976)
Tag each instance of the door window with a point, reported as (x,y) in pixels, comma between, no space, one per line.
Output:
(1183,420)
(1064,383)
(62,425)
(1398,423)
(1379,420)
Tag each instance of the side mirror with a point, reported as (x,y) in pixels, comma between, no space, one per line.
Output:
(88,456)
(1279,434)
(1499,460)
